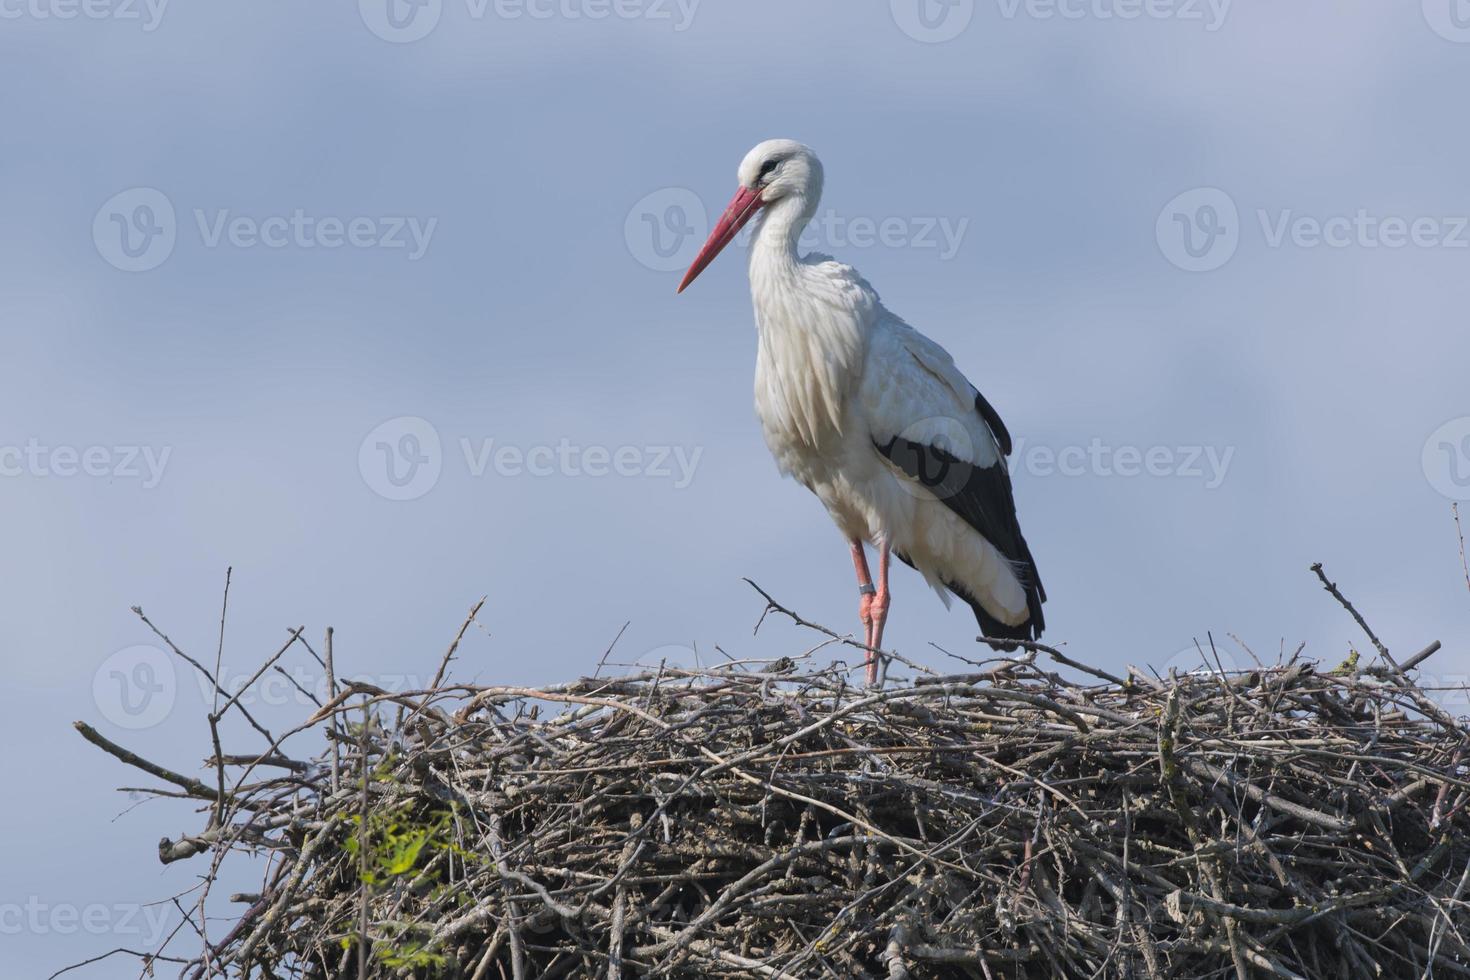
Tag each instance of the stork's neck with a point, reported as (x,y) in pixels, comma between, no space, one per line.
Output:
(805,293)
(774,258)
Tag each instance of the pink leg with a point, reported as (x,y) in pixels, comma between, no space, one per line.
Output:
(879,608)
(866,593)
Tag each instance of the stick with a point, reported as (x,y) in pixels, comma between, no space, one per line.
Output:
(1330,587)
(192,786)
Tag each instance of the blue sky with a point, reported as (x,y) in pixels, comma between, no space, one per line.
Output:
(347,247)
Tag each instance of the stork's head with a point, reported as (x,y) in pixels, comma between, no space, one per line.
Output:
(776,171)
(781,168)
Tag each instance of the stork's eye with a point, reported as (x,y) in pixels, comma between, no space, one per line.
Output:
(769,167)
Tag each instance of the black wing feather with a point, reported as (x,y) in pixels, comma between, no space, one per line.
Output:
(992,418)
(981,496)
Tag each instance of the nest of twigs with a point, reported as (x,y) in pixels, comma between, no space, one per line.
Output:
(773,820)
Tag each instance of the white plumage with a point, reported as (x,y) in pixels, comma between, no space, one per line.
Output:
(874,417)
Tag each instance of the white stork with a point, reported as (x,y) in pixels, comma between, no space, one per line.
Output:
(873,417)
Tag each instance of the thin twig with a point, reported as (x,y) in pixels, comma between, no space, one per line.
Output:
(1460,533)
(1332,588)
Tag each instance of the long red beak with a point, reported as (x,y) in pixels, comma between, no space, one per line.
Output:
(746,203)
